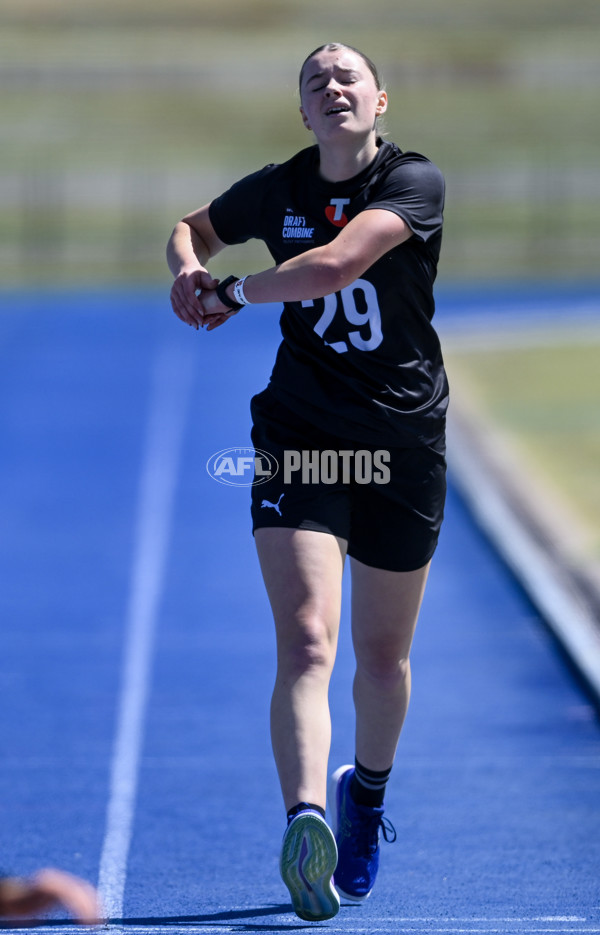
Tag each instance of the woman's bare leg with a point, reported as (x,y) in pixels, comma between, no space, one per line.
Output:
(385,608)
(302,570)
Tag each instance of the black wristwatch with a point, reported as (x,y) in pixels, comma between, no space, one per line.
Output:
(221,291)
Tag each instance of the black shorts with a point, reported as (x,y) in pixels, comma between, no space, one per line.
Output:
(388,503)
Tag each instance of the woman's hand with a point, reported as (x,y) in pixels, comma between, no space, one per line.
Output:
(187,295)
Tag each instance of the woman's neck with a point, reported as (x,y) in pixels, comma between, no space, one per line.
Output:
(341,162)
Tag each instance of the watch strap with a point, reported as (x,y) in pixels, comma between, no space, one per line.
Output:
(221,291)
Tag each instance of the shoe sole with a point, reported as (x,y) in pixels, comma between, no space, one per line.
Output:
(332,797)
(308,860)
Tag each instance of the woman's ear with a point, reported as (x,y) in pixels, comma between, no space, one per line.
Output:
(382,102)
(305,119)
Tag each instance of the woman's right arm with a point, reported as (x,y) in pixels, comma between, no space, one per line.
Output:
(191,245)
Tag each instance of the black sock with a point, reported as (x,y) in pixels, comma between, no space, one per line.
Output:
(367,786)
(302,807)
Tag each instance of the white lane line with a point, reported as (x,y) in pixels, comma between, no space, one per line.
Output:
(450,925)
(166,422)
(349,928)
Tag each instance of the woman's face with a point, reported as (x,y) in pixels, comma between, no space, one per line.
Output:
(339,96)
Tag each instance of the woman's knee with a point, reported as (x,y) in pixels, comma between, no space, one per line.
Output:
(383,666)
(306,646)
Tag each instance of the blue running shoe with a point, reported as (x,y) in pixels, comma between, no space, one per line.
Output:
(357,829)
(308,859)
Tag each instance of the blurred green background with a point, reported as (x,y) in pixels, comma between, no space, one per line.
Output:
(118,117)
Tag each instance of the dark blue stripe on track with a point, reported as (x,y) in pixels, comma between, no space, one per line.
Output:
(496,791)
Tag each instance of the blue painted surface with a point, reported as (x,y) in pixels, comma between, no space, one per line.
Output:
(496,790)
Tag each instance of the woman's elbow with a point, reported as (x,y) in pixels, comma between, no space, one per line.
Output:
(336,273)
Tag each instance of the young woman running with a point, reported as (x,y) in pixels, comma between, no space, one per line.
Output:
(355,410)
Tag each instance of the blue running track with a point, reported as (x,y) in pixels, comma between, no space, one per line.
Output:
(137,658)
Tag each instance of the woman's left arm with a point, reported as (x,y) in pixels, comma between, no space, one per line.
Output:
(327,269)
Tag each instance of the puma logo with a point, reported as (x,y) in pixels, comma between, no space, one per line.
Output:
(274,506)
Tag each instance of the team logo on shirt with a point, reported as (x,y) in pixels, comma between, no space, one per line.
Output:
(296,228)
(335,211)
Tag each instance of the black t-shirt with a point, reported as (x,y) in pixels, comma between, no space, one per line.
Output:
(366,360)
